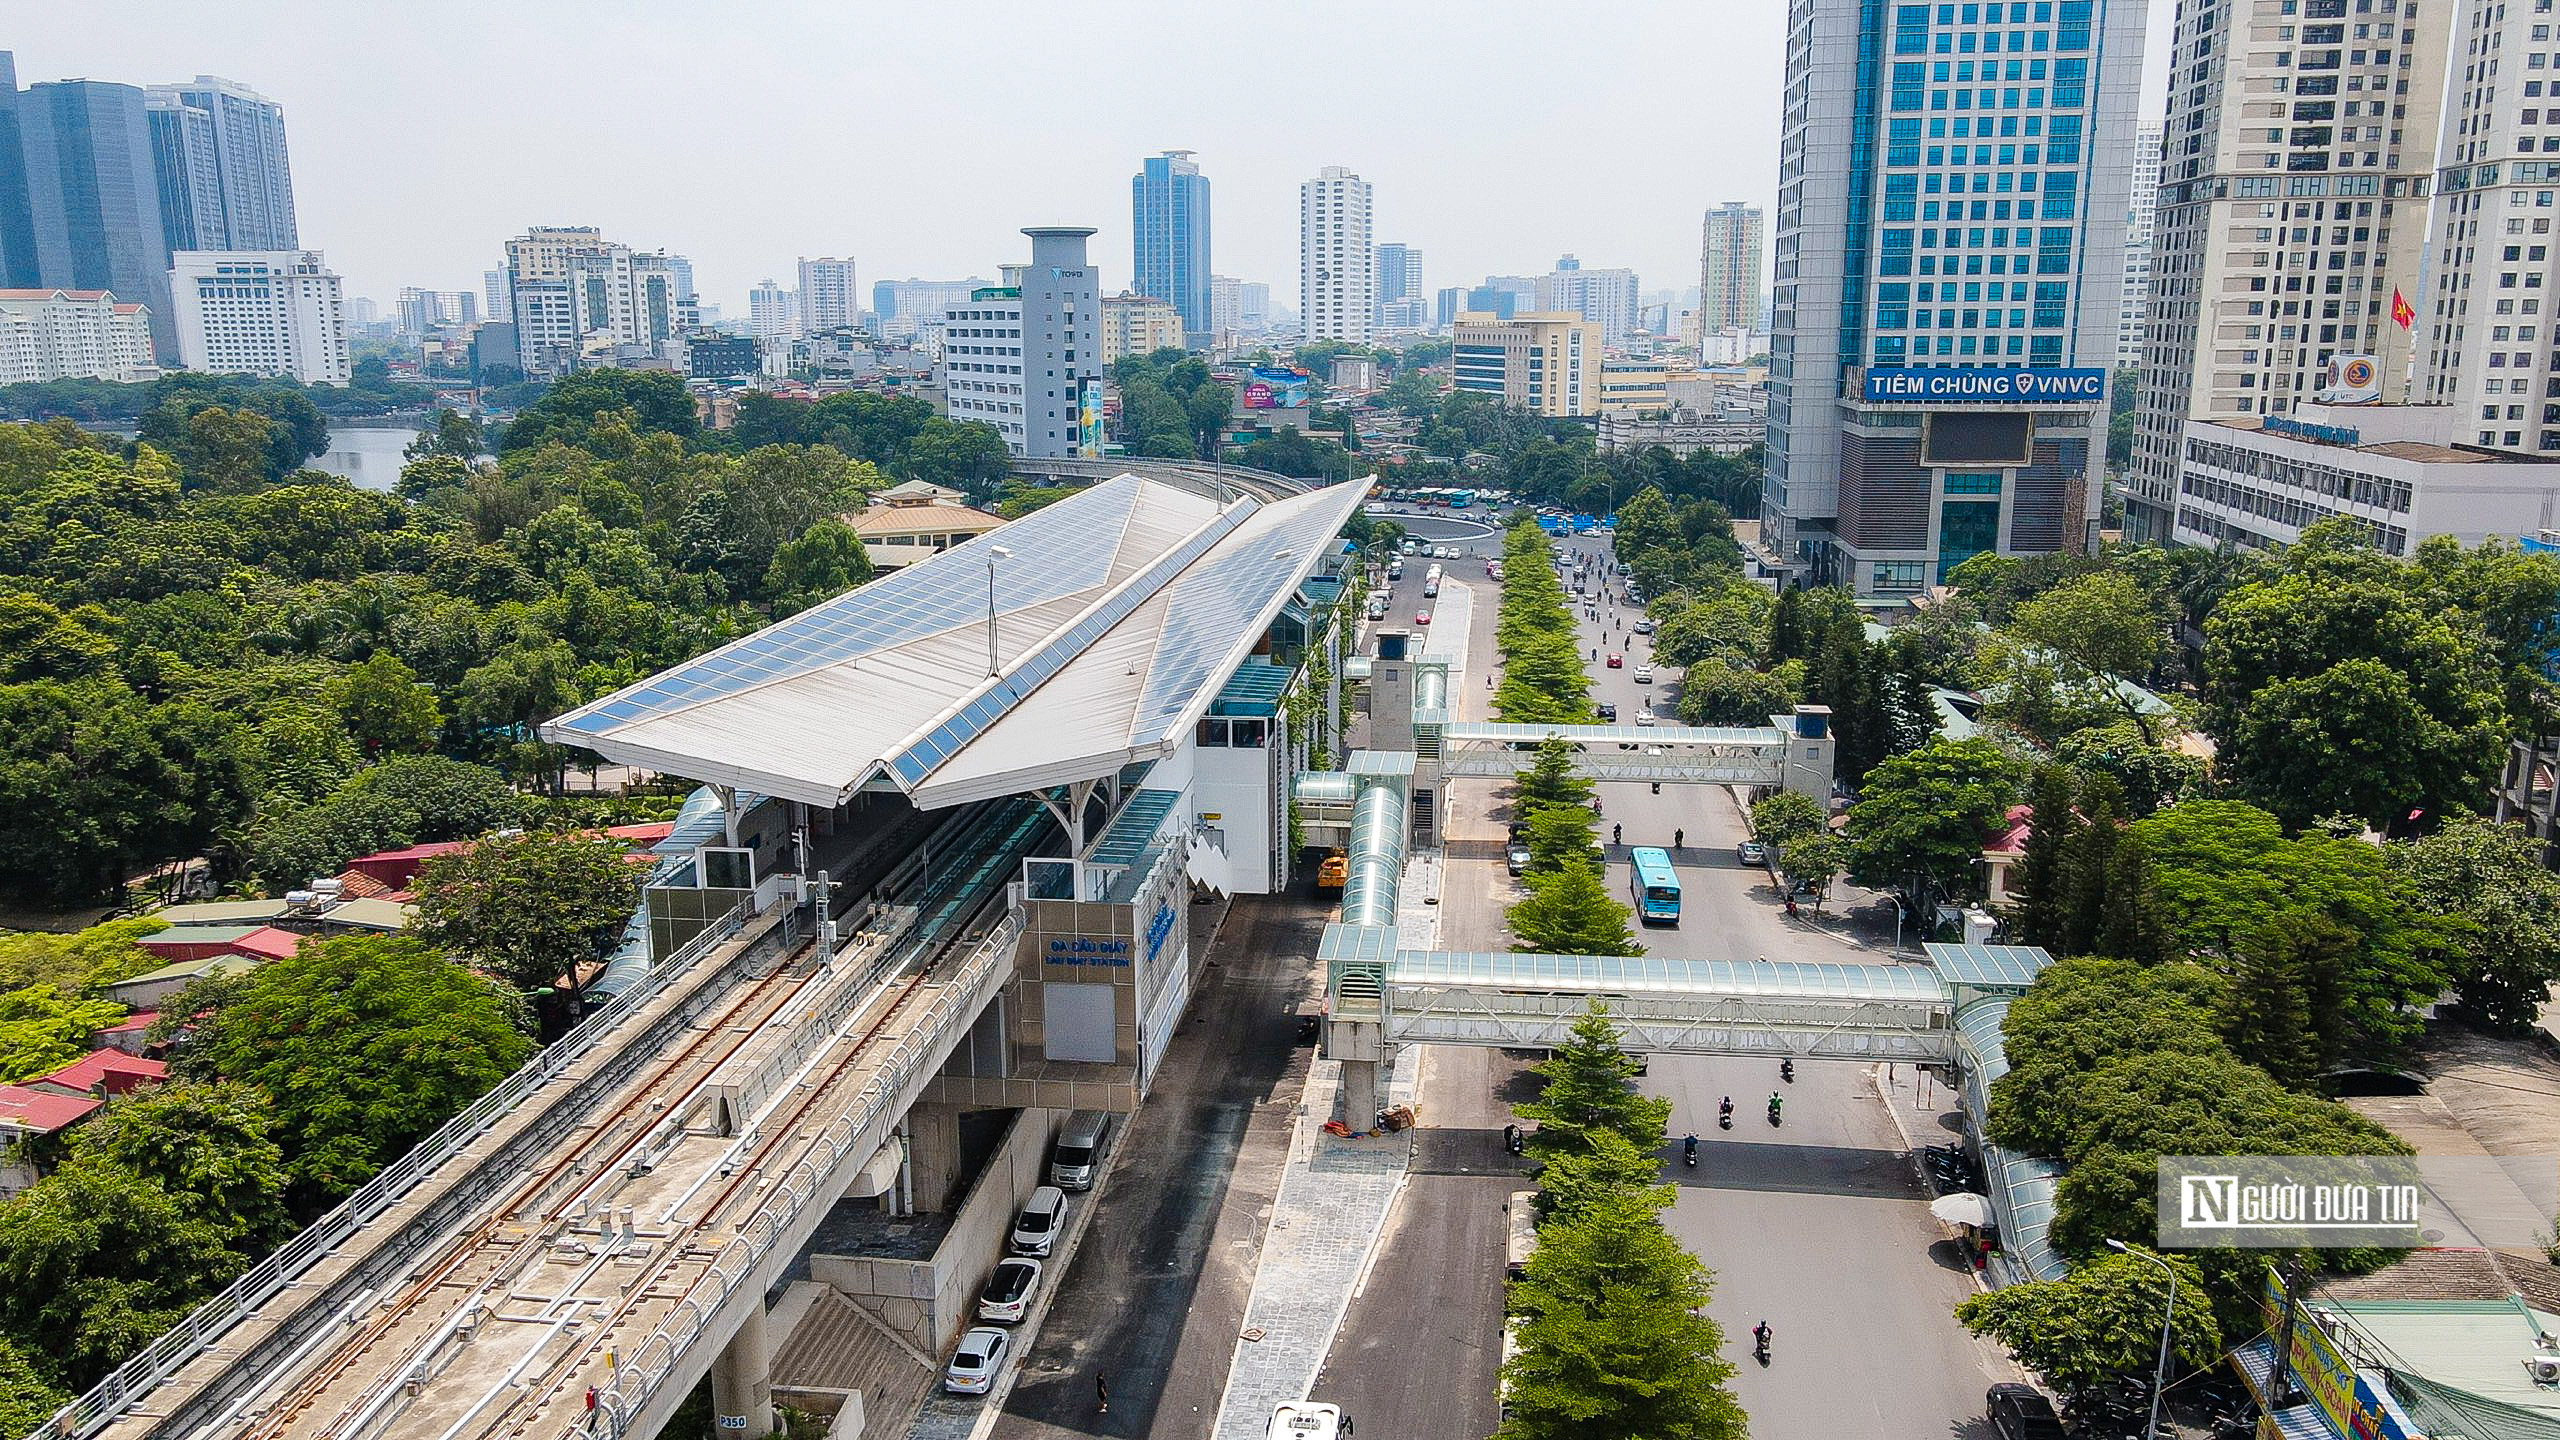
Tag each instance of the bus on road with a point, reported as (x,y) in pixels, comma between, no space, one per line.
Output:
(1656,886)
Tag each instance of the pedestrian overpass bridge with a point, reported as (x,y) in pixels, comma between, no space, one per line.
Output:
(1381,996)
(1695,755)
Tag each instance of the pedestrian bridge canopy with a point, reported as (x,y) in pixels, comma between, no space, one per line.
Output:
(1794,753)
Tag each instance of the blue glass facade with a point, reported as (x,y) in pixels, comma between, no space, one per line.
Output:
(1169,217)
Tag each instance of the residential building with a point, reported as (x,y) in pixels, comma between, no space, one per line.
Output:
(423,312)
(261,312)
(2404,472)
(1399,269)
(225,180)
(1938,365)
(1407,316)
(73,335)
(1632,387)
(579,298)
(79,195)
(2139,221)
(982,364)
(1607,298)
(1061,345)
(1253,306)
(1134,324)
(1544,362)
(773,312)
(2292,206)
(1337,266)
(828,298)
(1169,228)
(912,301)
(1226,306)
(1730,249)
(493,291)
(710,355)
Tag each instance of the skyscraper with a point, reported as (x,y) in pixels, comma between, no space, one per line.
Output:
(1169,223)
(1729,268)
(1337,269)
(225,180)
(1399,274)
(92,216)
(1937,380)
(1606,298)
(774,312)
(493,294)
(1061,345)
(828,299)
(2278,247)
(2143,211)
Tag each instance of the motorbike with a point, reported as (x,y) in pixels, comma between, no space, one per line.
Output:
(1787,1071)
(1760,1343)
(1689,1152)
(1725,1121)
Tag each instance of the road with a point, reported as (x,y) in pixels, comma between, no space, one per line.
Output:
(1819,1227)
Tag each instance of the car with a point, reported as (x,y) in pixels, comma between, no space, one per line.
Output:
(1007,1297)
(1644,717)
(1644,675)
(1751,852)
(1644,627)
(1036,1228)
(1377,609)
(1421,617)
(973,1366)
(1617,661)
(2021,1412)
(1516,856)
(1606,711)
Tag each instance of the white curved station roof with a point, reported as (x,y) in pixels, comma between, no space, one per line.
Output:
(1119,612)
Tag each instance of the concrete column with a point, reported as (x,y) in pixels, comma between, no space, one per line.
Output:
(933,1154)
(1359,1093)
(742,1381)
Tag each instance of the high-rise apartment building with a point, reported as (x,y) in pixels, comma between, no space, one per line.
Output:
(1169,225)
(2292,202)
(73,335)
(828,298)
(493,296)
(423,312)
(1399,269)
(79,195)
(900,305)
(226,182)
(261,312)
(1729,251)
(1547,363)
(2141,215)
(578,298)
(1253,306)
(1446,305)
(1609,299)
(773,312)
(1134,324)
(1026,357)
(1337,266)
(1949,266)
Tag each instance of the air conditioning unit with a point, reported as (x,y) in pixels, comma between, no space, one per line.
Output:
(2545,1369)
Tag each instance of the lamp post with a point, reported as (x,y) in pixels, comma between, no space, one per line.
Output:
(994,554)
(2160,1367)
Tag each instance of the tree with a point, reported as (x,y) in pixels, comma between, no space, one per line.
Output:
(2101,1322)
(822,562)
(1550,782)
(384,707)
(2150,774)
(2267,1016)
(531,909)
(210,1148)
(649,401)
(1590,1089)
(1559,836)
(1786,816)
(43,1030)
(364,1044)
(100,955)
(2101,628)
(449,435)
(1922,819)
(2084,867)
(2130,924)
(1813,861)
(1614,1339)
(2490,877)
(96,1262)
(1569,912)
(2052,822)
(1606,1167)
(406,800)
(27,1397)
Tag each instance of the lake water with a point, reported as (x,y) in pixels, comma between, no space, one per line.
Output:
(370,457)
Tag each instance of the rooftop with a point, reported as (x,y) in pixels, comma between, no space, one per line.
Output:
(42,1112)
(1117,613)
(113,1069)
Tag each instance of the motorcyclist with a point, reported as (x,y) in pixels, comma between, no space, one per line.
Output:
(1617,834)
(1689,1149)
(1679,839)
(1787,1069)
(1760,1337)
(1775,1102)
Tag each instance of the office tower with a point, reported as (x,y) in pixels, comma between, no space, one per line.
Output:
(1253,306)
(1169,226)
(1446,305)
(1399,270)
(2143,210)
(1937,380)
(681,271)
(80,198)
(261,312)
(1729,268)
(828,299)
(919,300)
(423,312)
(1061,345)
(493,294)
(1547,363)
(1337,270)
(773,312)
(1134,324)
(579,298)
(2278,247)
(226,182)
(73,335)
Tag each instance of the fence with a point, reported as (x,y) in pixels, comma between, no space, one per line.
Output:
(240,1300)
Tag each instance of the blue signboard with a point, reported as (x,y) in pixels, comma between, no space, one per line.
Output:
(1157,929)
(1084,950)
(1976,386)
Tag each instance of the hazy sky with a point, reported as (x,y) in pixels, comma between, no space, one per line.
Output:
(921,138)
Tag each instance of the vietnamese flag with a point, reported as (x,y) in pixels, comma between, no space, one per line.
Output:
(2400,310)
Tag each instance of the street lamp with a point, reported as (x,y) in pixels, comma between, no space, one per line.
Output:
(2160,1367)
(994,554)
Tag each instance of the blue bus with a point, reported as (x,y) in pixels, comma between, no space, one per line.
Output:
(1656,886)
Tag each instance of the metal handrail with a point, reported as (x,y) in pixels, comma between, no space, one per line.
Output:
(239,1300)
(639,1374)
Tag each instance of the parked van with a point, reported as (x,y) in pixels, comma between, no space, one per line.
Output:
(1076,1158)
(1036,1228)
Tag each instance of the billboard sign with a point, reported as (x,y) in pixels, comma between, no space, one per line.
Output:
(1089,419)
(1266,389)
(1954,385)
(2352,380)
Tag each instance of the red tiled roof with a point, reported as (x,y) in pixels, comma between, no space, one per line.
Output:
(119,1072)
(139,1020)
(268,943)
(357,885)
(2013,840)
(42,1112)
(396,868)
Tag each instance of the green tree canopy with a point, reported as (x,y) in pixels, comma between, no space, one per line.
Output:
(1569,912)
(1922,819)
(2491,881)
(2100,1323)
(530,909)
(1785,816)
(210,1148)
(97,1261)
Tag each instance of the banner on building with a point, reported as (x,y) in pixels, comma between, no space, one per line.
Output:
(2352,380)
(1266,389)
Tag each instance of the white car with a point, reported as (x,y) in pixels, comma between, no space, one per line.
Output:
(1007,1297)
(1036,1228)
(973,1366)
(1644,717)
(1644,675)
